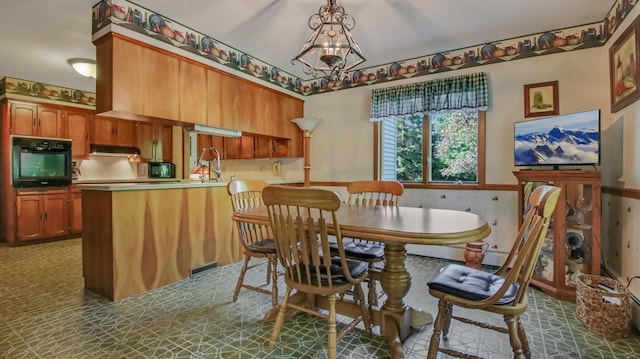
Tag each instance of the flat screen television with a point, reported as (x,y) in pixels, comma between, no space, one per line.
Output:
(572,139)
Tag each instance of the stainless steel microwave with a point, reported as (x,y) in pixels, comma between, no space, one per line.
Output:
(40,162)
(156,170)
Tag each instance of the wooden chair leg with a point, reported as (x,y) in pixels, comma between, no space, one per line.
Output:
(332,352)
(514,338)
(273,266)
(269,271)
(523,338)
(366,318)
(373,296)
(447,320)
(437,329)
(275,334)
(241,277)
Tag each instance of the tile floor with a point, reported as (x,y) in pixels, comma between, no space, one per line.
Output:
(46,313)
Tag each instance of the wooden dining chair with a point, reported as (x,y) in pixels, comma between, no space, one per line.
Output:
(300,218)
(371,193)
(257,240)
(503,291)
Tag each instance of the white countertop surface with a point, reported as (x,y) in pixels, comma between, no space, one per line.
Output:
(165,184)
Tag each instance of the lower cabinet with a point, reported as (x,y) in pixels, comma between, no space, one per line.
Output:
(75,212)
(47,214)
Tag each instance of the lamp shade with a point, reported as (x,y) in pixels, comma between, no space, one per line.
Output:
(307,124)
(85,67)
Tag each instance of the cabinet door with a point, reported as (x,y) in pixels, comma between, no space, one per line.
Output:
(263,147)
(213,99)
(55,215)
(232,147)
(281,147)
(75,213)
(230,102)
(218,143)
(103,132)
(146,141)
(78,132)
(247,147)
(125,133)
(159,80)
(193,92)
(165,146)
(29,217)
(23,119)
(50,123)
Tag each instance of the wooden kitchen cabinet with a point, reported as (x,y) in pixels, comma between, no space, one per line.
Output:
(141,80)
(78,124)
(75,212)
(263,147)
(155,142)
(572,244)
(213,100)
(109,131)
(242,147)
(281,147)
(192,92)
(41,215)
(136,79)
(34,120)
(204,141)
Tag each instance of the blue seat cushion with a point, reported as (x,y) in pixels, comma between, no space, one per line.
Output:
(356,269)
(472,284)
(266,246)
(360,250)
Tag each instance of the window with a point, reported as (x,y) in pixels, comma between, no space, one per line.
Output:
(445,148)
(440,149)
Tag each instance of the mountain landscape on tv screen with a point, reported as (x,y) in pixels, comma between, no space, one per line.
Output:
(557,146)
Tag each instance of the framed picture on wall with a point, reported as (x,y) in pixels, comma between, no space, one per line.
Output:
(541,99)
(623,68)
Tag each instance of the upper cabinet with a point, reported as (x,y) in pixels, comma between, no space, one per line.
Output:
(78,124)
(155,142)
(136,79)
(33,120)
(192,92)
(109,131)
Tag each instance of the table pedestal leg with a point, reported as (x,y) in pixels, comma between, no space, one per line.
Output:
(395,318)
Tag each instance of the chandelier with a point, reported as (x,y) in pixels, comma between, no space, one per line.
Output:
(331,48)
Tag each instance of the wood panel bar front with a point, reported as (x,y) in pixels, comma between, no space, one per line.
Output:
(137,240)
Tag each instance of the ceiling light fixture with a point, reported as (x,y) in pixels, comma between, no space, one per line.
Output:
(331,48)
(85,67)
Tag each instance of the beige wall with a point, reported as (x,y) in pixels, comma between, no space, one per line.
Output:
(342,147)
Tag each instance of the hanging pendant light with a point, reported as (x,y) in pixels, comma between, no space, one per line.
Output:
(331,48)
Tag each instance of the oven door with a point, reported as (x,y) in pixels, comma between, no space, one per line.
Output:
(38,162)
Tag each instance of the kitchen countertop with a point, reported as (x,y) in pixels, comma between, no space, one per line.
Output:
(136,185)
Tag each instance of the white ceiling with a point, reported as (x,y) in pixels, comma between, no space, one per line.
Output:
(38,37)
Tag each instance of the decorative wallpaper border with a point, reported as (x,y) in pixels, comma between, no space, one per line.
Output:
(144,21)
(52,93)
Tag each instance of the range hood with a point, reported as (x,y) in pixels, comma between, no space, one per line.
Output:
(210,130)
(111,150)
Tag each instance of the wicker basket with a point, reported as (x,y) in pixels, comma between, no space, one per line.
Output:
(603,312)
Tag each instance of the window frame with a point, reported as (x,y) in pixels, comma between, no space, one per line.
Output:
(480,184)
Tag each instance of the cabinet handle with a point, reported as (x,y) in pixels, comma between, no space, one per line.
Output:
(45,216)
(38,122)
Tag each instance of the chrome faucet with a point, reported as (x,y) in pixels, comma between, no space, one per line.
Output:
(216,170)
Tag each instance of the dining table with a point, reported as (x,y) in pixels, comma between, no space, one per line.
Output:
(395,227)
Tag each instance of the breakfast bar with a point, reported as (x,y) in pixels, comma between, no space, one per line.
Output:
(140,236)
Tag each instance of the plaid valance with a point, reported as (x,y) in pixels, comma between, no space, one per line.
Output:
(453,93)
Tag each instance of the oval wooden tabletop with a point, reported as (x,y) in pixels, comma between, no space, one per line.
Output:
(401,225)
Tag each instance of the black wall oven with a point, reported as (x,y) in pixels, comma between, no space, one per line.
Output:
(40,162)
